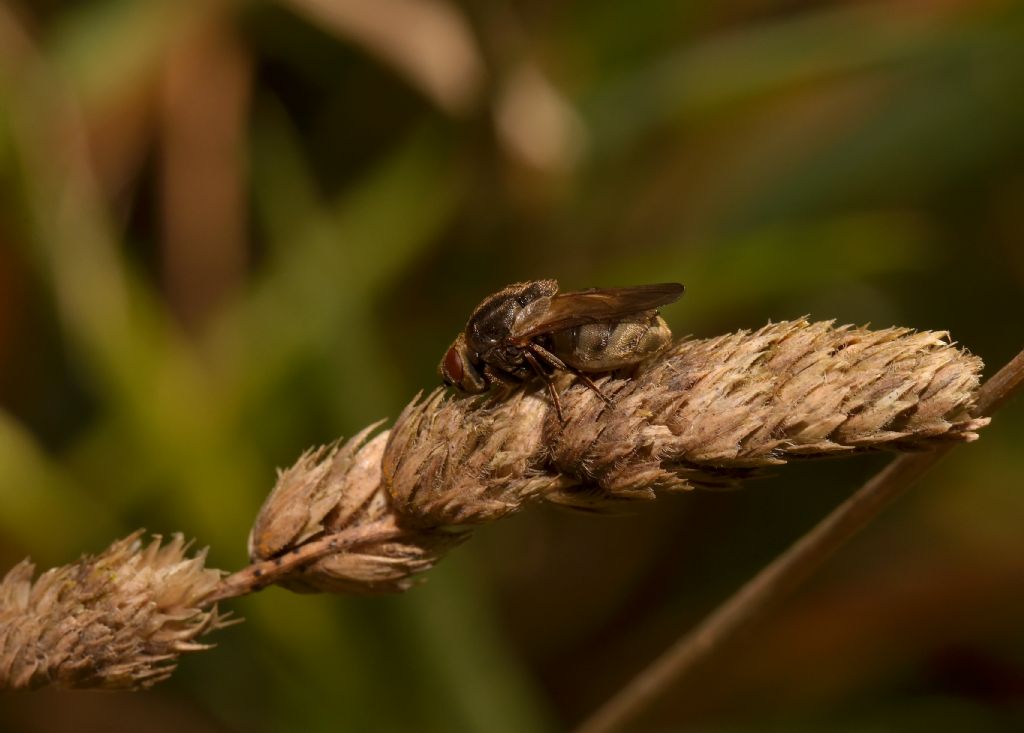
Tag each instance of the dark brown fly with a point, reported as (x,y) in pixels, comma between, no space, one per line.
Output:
(530,330)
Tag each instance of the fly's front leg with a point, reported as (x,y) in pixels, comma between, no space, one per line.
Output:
(532,361)
(500,376)
(559,364)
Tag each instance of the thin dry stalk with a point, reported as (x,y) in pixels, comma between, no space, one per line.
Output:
(751,603)
(283,570)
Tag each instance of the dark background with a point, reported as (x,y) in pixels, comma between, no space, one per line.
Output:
(232,230)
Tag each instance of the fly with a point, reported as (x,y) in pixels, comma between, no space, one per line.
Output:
(529,330)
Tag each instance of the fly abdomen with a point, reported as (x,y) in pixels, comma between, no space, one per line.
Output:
(604,347)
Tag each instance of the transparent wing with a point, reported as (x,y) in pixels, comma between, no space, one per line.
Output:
(595,305)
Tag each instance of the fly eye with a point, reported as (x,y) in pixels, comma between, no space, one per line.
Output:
(452,373)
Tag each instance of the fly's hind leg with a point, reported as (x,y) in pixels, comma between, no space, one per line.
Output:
(559,364)
(532,361)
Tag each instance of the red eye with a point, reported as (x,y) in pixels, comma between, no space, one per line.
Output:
(453,366)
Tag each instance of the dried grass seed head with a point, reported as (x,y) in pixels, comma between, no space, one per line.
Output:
(334,489)
(114,620)
(704,413)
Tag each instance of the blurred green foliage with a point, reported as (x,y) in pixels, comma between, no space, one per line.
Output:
(231,230)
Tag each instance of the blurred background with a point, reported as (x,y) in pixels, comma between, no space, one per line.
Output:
(232,230)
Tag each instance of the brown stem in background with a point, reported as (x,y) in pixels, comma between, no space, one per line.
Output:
(752,602)
(1002,386)
(203,115)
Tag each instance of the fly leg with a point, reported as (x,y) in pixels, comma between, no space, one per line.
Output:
(500,376)
(532,361)
(559,364)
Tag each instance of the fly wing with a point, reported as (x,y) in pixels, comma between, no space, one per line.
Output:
(595,305)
